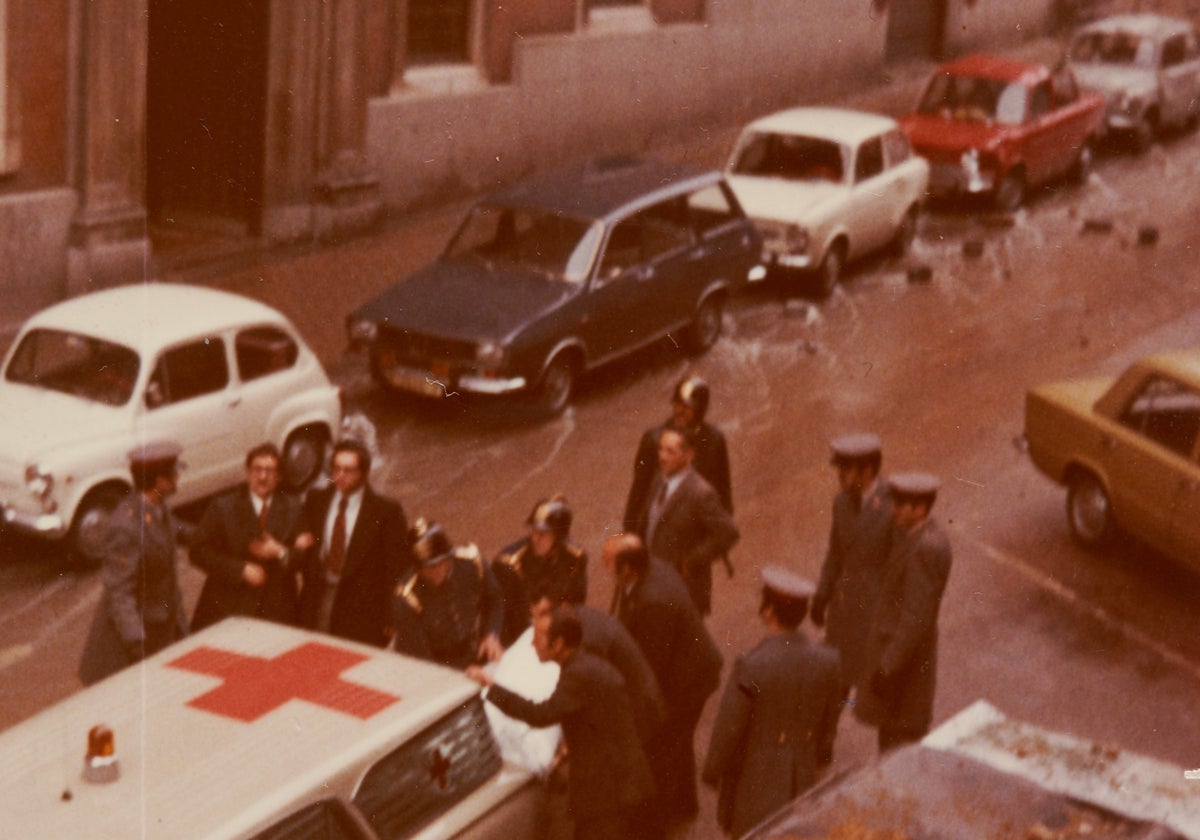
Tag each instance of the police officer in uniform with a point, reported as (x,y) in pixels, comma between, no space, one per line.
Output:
(897,689)
(141,608)
(449,610)
(543,562)
(778,706)
(848,591)
(689,405)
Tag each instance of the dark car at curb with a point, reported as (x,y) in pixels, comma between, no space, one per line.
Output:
(559,274)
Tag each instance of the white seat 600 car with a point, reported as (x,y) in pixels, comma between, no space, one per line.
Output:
(88,379)
(826,186)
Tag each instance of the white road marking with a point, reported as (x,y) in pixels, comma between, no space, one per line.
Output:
(14,654)
(1071,597)
(46,592)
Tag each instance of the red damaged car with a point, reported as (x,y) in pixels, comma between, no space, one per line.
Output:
(997,127)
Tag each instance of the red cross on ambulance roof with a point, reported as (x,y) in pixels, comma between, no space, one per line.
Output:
(254,686)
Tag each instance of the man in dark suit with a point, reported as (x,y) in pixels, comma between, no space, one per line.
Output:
(859,540)
(654,605)
(683,521)
(779,703)
(896,692)
(354,549)
(605,636)
(609,781)
(689,407)
(243,544)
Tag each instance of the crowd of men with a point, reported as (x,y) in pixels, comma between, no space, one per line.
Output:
(634,680)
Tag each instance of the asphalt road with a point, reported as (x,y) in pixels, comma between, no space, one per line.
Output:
(1103,646)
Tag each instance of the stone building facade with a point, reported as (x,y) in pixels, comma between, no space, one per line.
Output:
(125,123)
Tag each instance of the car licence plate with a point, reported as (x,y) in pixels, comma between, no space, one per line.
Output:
(410,379)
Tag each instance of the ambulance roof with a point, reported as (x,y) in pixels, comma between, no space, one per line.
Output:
(219,734)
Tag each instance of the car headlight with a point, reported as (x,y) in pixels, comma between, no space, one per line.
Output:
(797,238)
(363,330)
(39,481)
(490,353)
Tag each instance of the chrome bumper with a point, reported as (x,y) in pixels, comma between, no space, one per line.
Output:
(49,525)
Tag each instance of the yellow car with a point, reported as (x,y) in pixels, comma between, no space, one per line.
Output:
(1126,449)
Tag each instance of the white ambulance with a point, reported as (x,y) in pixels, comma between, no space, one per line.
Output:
(254,730)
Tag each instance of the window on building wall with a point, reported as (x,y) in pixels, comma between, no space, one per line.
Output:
(10,147)
(439,31)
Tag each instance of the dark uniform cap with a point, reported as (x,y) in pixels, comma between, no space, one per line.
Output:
(855,447)
(788,585)
(430,545)
(154,453)
(551,515)
(914,484)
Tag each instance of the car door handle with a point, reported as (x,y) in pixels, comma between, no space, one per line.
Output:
(701,253)
(645,273)
(1108,442)
(235,402)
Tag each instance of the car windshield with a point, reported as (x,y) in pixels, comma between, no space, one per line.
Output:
(789,156)
(86,367)
(974,99)
(551,244)
(1113,48)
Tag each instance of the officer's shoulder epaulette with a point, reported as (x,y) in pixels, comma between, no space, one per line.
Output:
(574,551)
(512,559)
(407,591)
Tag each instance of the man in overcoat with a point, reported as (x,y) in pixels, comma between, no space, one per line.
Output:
(609,781)
(896,694)
(684,522)
(778,707)
(353,551)
(141,607)
(654,605)
(852,574)
(243,544)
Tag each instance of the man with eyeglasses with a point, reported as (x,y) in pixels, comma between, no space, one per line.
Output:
(353,549)
(243,544)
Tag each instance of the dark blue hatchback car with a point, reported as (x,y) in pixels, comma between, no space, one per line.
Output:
(560,273)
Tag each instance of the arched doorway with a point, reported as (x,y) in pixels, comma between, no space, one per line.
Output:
(206,85)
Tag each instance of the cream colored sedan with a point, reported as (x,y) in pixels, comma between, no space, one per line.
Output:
(1126,449)
(826,186)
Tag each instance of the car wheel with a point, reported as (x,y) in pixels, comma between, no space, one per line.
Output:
(1082,168)
(906,232)
(557,383)
(829,273)
(1010,195)
(705,328)
(85,542)
(303,458)
(1089,512)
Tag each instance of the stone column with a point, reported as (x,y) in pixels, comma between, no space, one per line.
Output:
(108,242)
(346,189)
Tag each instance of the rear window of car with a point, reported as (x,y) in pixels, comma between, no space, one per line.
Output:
(430,774)
(1113,48)
(80,365)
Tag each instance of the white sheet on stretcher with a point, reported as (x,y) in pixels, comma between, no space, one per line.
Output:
(520,671)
